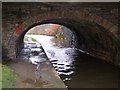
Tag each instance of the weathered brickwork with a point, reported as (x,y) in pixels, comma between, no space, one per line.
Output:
(102,43)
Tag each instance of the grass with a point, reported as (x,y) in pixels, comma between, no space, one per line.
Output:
(7,77)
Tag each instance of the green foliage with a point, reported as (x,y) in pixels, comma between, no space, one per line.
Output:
(7,77)
(34,40)
(26,39)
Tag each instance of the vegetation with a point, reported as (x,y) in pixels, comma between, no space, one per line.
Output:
(34,40)
(27,39)
(7,77)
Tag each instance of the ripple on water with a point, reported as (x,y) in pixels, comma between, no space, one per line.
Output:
(61,58)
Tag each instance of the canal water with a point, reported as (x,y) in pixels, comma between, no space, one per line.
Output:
(75,68)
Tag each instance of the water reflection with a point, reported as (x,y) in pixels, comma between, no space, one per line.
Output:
(62,58)
(76,69)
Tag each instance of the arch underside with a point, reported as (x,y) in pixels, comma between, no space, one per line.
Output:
(92,38)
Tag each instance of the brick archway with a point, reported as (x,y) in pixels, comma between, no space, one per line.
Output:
(74,15)
(81,20)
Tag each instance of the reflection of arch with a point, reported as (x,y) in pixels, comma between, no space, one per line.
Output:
(93,38)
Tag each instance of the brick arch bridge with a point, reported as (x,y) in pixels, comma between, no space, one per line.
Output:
(96,35)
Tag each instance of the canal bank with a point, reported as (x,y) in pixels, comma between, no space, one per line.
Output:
(33,70)
(28,77)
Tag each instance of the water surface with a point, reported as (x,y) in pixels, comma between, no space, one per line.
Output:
(76,69)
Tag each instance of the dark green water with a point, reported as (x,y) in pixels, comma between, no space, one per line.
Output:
(90,72)
(79,70)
